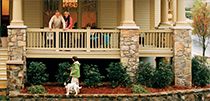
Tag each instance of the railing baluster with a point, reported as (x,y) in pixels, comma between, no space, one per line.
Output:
(88,39)
(57,40)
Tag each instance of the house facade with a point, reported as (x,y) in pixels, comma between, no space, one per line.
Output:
(123,29)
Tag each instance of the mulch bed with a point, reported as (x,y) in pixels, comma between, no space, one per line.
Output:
(106,89)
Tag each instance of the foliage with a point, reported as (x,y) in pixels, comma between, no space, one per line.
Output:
(145,74)
(201,23)
(200,71)
(36,89)
(158,77)
(163,75)
(3,31)
(92,76)
(188,9)
(188,14)
(36,73)
(117,75)
(138,89)
(63,71)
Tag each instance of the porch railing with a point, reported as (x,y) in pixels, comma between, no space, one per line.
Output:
(75,39)
(156,39)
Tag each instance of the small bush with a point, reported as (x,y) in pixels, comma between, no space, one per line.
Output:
(145,74)
(37,89)
(117,75)
(63,72)
(163,75)
(138,89)
(200,71)
(188,14)
(36,73)
(92,76)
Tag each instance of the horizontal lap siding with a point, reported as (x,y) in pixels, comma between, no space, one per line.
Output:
(108,12)
(32,13)
(142,13)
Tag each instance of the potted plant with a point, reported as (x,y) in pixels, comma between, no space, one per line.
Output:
(3,35)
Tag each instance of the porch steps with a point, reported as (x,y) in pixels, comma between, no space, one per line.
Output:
(3,68)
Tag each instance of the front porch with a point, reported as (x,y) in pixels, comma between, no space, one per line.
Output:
(94,43)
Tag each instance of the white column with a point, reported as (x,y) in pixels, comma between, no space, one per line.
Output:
(17,13)
(174,17)
(164,23)
(181,19)
(127,15)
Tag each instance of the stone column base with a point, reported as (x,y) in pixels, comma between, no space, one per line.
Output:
(182,57)
(129,48)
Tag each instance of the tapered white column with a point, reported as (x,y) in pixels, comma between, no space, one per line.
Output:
(181,19)
(17,19)
(127,15)
(164,14)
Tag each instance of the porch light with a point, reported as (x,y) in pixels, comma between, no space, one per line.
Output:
(70,3)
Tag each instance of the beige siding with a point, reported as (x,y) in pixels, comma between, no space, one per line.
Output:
(142,13)
(32,13)
(107,13)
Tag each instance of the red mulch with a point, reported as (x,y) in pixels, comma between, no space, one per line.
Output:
(109,90)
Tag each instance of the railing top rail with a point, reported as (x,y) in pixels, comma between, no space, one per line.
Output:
(166,30)
(71,30)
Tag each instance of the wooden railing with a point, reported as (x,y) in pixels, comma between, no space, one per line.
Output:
(156,39)
(75,39)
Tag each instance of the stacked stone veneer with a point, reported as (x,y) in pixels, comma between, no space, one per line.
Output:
(17,58)
(187,95)
(129,46)
(182,57)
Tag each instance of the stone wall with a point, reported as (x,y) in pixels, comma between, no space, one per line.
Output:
(129,49)
(187,95)
(182,57)
(16,59)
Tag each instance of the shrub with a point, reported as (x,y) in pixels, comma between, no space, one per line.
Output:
(117,75)
(37,89)
(36,73)
(145,74)
(63,72)
(92,76)
(163,75)
(200,71)
(188,14)
(138,89)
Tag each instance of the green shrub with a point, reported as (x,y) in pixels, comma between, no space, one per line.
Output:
(92,76)
(163,75)
(188,14)
(117,75)
(36,89)
(36,73)
(200,71)
(145,74)
(138,89)
(63,72)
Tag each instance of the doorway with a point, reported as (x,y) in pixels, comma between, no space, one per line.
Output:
(83,12)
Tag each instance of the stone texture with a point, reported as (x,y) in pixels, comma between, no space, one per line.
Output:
(182,57)
(16,60)
(129,49)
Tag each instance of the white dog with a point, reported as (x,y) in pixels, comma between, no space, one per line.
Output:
(72,87)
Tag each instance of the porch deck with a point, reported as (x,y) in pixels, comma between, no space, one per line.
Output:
(94,43)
